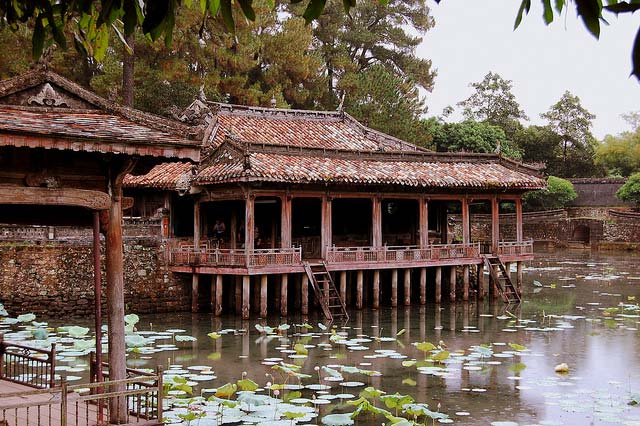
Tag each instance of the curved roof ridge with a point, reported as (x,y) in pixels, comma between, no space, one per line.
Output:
(267,112)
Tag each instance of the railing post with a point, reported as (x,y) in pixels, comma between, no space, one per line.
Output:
(52,362)
(63,403)
(159,373)
(3,349)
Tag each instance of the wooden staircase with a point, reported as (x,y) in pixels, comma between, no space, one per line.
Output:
(320,279)
(502,278)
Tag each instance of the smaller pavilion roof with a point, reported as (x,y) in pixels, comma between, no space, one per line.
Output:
(166,176)
(41,109)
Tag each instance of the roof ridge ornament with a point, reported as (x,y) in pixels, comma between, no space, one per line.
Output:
(48,97)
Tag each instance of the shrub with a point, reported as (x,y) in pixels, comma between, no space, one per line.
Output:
(558,194)
(630,191)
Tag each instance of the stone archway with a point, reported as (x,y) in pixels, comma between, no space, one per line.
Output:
(581,233)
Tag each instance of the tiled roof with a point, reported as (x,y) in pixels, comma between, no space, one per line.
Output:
(298,128)
(167,176)
(428,170)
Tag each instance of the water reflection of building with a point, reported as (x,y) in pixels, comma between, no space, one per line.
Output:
(278,188)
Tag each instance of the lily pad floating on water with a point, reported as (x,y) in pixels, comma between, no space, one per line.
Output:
(184,338)
(337,420)
(26,317)
(76,331)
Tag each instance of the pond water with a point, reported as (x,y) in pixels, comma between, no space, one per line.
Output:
(579,308)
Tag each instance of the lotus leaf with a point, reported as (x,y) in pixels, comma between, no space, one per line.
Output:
(131,319)
(517,347)
(3,311)
(337,420)
(40,333)
(247,385)
(331,372)
(183,338)
(440,356)
(135,341)
(214,335)
(76,332)
(26,317)
(300,349)
(371,393)
(227,390)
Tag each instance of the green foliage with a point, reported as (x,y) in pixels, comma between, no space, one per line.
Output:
(630,191)
(558,193)
(620,155)
(494,103)
(470,136)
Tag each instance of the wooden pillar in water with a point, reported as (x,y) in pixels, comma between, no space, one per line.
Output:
(304,295)
(465,283)
(495,224)
(423,286)
(452,284)
(284,284)
(246,304)
(407,287)
(376,289)
(519,278)
(195,284)
(212,301)
(359,288)
(263,295)
(217,309)
(438,280)
(481,284)
(519,222)
(343,286)
(255,295)
(115,289)
(494,285)
(237,285)
(394,288)
(507,267)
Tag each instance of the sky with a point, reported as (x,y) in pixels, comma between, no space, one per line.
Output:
(473,37)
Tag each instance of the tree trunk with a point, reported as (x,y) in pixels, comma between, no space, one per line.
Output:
(128,61)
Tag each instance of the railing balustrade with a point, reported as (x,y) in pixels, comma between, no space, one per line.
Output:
(515,248)
(188,255)
(392,254)
(27,365)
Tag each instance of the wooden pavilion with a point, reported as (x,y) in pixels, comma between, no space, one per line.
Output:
(316,196)
(64,153)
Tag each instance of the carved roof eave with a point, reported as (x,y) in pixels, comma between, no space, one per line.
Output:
(105,146)
(36,77)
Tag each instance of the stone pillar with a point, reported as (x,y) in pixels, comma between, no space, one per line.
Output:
(263,295)
(407,287)
(246,304)
(452,284)
(359,289)
(217,309)
(376,222)
(423,215)
(423,286)
(394,288)
(304,295)
(438,280)
(284,284)
(376,289)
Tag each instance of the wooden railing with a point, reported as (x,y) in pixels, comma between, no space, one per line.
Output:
(27,365)
(392,254)
(81,405)
(188,255)
(514,248)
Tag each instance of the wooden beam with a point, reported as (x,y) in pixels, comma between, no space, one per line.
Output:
(394,288)
(407,287)
(326,228)
(423,286)
(376,289)
(438,284)
(285,221)
(246,290)
(94,200)
(263,295)
(376,222)
(284,287)
(423,214)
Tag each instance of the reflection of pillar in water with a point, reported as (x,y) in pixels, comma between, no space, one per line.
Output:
(359,321)
(481,284)
(238,293)
(394,322)
(407,287)
(245,342)
(263,347)
(194,330)
(437,317)
(465,283)
(284,288)
(394,288)
(407,322)
(452,317)
(375,321)
(519,277)
(465,315)
(422,318)
(438,280)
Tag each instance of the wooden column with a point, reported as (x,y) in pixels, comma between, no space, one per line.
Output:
(507,267)
(284,288)
(304,295)
(327,231)
(263,295)
(481,284)
(438,280)
(495,225)
(407,287)
(233,234)
(423,215)
(394,288)
(237,285)
(217,309)
(97,289)
(466,226)
(115,290)
(343,286)
(195,292)
(376,289)
(359,288)
(376,221)
(423,286)
(249,224)
(519,278)
(452,284)
(494,285)
(285,221)
(212,300)
(465,283)
(246,290)
(519,233)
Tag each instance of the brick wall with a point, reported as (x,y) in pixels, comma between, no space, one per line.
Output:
(56,278)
